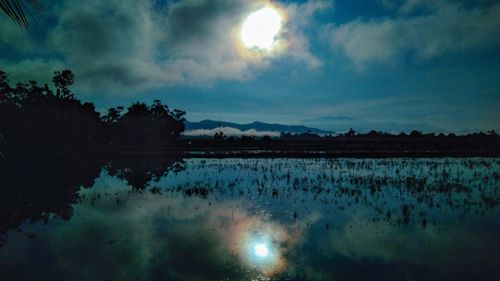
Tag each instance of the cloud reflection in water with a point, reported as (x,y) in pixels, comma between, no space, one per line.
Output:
(121,233)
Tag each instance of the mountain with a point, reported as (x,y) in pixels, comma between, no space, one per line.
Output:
(209,127)
(344,123)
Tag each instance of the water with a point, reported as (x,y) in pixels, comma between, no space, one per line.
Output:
(252,219)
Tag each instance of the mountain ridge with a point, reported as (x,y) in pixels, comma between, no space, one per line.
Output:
(208,124)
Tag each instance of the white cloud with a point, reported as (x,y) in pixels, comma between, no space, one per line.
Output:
(300,19)
(445,28)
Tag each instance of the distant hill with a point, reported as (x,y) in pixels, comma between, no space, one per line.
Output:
(207,127)
(344,123)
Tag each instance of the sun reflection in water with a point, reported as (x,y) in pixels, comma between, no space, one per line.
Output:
(260,243)
(262,250)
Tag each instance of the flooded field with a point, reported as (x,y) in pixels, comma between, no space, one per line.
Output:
(255,219)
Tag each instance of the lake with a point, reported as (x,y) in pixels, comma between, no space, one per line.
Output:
(251,219)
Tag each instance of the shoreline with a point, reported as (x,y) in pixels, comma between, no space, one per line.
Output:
(262,149)
(258,153)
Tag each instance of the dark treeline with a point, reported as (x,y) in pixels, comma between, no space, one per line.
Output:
(34,117)
(350,144)
(351,134)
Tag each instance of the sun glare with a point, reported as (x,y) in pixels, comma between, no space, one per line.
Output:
(260,29)
(261,250)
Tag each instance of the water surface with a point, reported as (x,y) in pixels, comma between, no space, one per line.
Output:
(253,219)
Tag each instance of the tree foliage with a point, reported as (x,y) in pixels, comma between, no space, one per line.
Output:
(33,116)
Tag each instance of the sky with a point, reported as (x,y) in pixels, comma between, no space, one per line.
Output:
(403,61)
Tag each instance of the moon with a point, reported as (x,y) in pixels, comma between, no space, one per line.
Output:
(260,28)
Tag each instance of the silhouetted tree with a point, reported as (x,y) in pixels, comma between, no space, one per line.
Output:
(113,115)
(373,133)
(32,116)
(415,133)
(219,135)
(62,80)
(4,86)
(350,133)
(154,125)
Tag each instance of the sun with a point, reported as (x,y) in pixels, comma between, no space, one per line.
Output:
(260,29)
(261,250)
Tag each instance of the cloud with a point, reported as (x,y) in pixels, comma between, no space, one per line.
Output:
(110,44)
(446,27)
(12,35)
(124,46)
(411,6)
(144,236)
(301,19)
(37,69)
(360,241)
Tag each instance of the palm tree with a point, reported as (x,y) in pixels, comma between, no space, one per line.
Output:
(17,10)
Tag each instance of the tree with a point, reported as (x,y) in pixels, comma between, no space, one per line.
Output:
(178,124)
(415,133)
(17,9)
(4,86)
(19,93)
(159,111)
(34,92)
(219,135)
(113,115)
(350,133)
(4,82)
(31,114)
(373,133)
(137,110)
(62,80)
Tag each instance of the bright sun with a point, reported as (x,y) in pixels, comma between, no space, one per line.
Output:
(260,28)
(261,250)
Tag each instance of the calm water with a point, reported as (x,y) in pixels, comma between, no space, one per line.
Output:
(253,219)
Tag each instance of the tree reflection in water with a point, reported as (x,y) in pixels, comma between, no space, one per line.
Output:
(35,188)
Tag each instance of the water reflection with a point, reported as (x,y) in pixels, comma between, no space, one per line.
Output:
(265,220)
(35,189)
(140,173)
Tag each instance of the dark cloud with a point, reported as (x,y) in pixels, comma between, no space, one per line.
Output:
(107,43)
(199,20)
(129,46)
(445,27)
(125,45)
